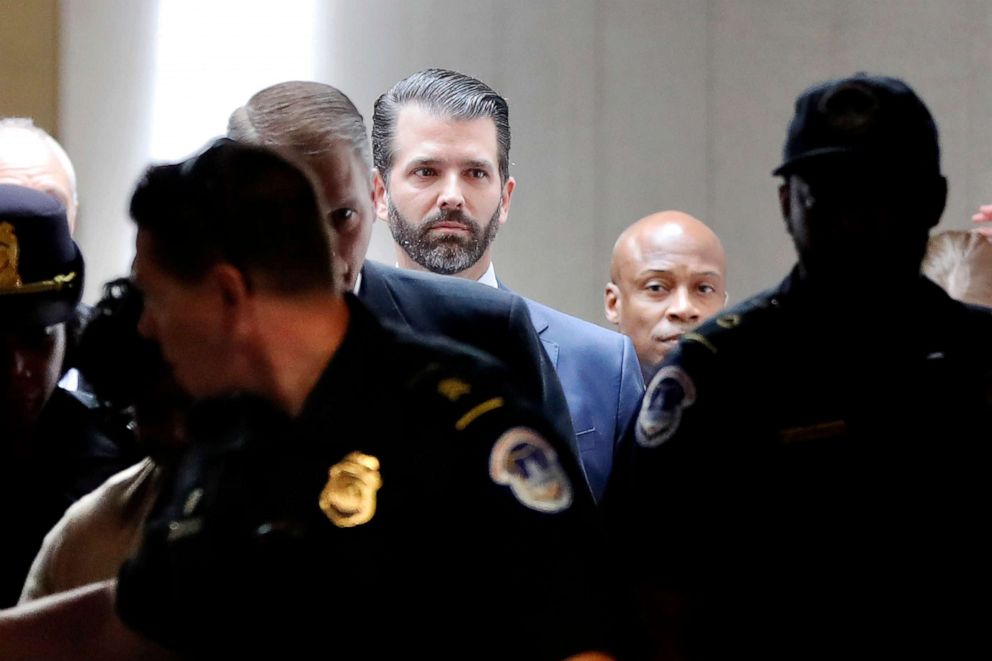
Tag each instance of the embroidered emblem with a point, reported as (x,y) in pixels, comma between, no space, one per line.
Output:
(524,461)
(10,278)
(349,497)
(670,392)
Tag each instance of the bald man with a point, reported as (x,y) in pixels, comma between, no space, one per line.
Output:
(666,277)
(32,158)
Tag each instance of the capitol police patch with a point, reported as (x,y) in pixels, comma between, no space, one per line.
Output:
(524,461)
(671,390)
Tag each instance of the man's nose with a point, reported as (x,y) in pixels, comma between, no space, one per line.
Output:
(451,196)
(20,366)
(682,308)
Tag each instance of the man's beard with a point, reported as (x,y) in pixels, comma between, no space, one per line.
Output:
(445,253)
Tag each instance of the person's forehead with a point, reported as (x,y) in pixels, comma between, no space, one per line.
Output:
(339,170)
(421,133)
(670,246)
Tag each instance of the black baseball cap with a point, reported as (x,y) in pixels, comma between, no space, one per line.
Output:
(41,268)
(874,120)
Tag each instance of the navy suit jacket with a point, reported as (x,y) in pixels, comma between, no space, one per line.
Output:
(599,371)
(497,322)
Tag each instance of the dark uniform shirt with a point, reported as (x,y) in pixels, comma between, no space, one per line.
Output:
(68,458)
(414,506)
(809,480)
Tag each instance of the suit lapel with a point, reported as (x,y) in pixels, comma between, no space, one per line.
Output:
(377,294)
(540,325)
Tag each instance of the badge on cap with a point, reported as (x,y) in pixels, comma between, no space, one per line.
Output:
(349,497)
(9,277)
(670,392)
(524,461)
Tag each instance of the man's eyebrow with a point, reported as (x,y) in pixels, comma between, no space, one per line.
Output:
(695,274)
(478,163)
(342,203)
(435,160)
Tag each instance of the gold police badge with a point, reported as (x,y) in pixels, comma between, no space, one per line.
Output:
(349,497)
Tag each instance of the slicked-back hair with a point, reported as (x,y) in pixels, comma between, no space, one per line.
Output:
(306,118)
(447,94)
(242,205)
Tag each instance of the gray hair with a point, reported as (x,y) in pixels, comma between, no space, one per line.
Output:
(448,94)
(26,124)
(306,118)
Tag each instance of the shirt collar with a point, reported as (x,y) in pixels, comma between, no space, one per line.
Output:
(489,277)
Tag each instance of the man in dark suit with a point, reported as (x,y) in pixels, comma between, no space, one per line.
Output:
(320,124)
(441,143)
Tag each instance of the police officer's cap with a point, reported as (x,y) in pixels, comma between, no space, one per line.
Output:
(41,268)
(871,120)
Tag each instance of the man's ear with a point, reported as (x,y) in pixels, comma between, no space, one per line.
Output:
(234,296)
(504,202)
(785,203)
(611,303)
(938,202)
(380,196)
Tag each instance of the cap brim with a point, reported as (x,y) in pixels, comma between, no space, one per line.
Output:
(812,155)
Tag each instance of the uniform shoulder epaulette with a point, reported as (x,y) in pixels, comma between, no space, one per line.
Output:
(459,396)
(714,333)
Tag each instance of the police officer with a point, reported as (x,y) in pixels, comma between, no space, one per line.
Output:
(352,491)
(50,452)
(809,457)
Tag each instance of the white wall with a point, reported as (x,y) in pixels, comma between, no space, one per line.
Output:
(618,108)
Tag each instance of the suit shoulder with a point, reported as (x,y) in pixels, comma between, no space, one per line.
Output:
(742,322)
(464,293)
(564,328)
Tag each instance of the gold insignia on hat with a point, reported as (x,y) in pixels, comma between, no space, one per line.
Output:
(9,250)
(453,388)
(10,277)
(349,497)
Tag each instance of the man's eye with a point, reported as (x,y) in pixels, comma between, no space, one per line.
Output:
(707,289)
(655,287)
(476,173)
(424,172)
(37,338)
(342,216)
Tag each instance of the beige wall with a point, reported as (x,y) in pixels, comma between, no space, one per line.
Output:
(29,60)
(618,107)
(621,108)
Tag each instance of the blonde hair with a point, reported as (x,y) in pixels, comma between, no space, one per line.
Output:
(961,263)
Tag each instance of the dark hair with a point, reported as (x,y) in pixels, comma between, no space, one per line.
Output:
(449,94)
(127,374)
(247,206)
(306,118)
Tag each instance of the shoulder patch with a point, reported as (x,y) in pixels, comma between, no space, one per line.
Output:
(524,461)
(670,391)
